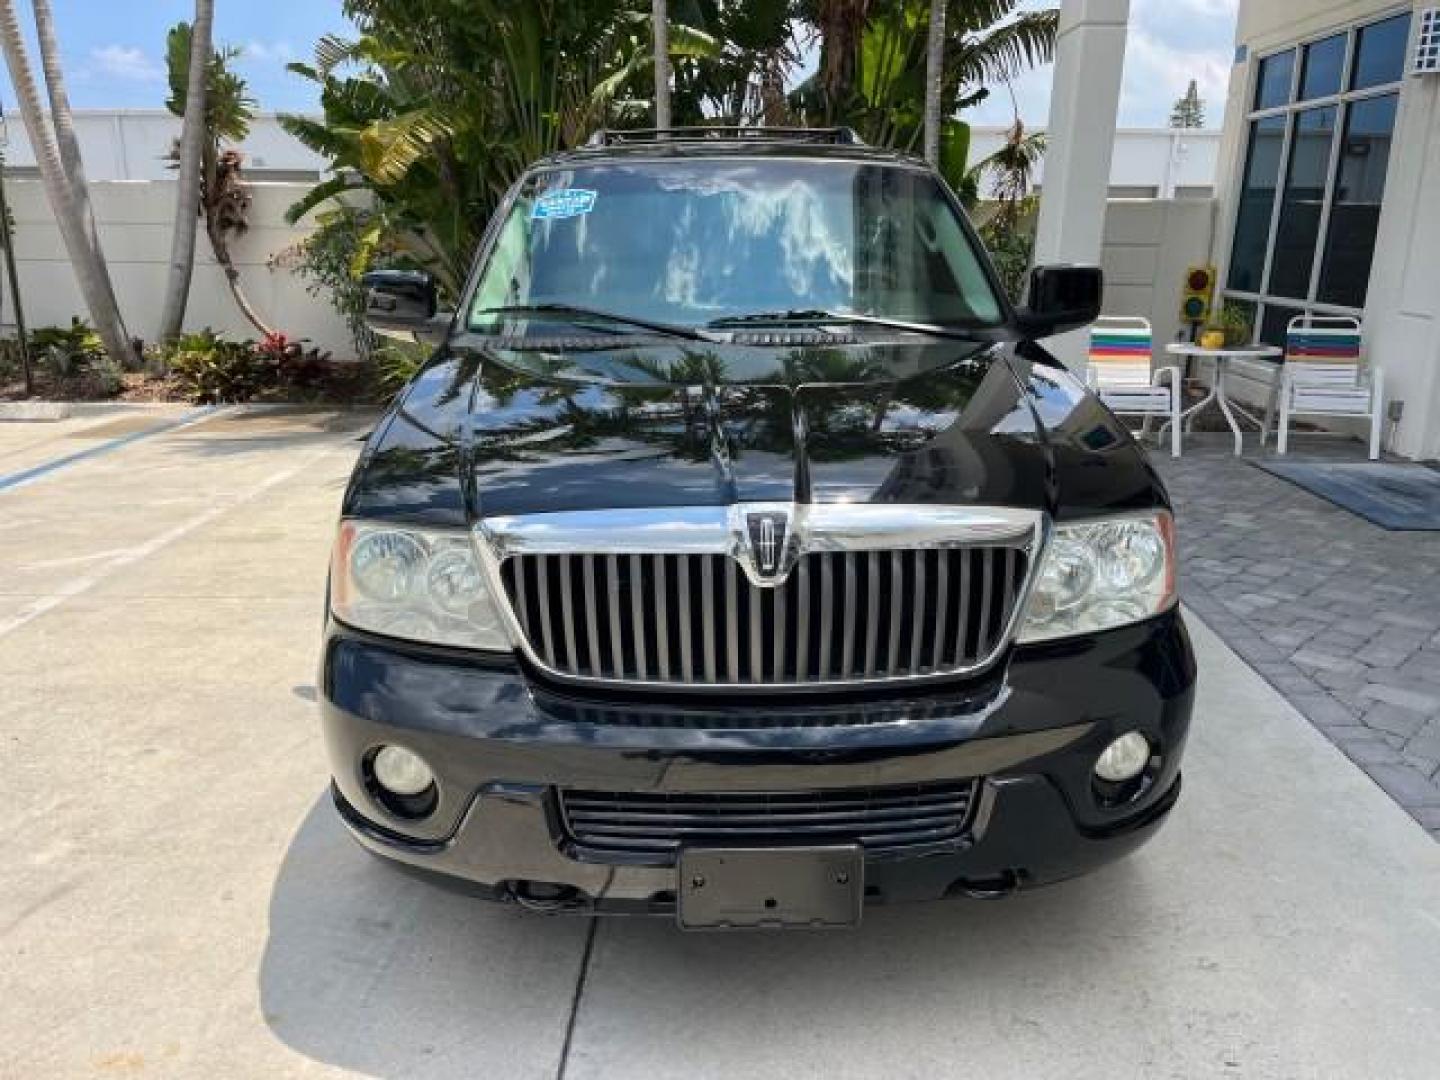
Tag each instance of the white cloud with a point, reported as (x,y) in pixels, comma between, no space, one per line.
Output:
(275,52)
(127,62)
(1169,43)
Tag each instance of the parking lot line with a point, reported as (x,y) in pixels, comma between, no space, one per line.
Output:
(135,554)
(29,476)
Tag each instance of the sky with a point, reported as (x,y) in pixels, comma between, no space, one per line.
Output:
(114,55)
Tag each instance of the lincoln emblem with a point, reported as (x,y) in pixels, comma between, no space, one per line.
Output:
(767,540)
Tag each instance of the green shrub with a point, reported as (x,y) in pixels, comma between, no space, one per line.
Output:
(10,366)
(396,363)
(106,377)
(1009,236)
(309,371)
(67,351)
(211,370)
(331,260)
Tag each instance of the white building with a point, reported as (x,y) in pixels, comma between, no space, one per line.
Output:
(1146,163)
(1329,185)
(135,144)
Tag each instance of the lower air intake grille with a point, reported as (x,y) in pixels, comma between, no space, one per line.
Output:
(697,619)
(659,823)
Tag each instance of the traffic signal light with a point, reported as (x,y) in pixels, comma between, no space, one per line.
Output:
(1198,294)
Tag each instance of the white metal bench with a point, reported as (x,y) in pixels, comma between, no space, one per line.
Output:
(1121,371)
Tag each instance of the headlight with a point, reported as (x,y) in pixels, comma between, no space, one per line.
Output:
(1095,575)
(419,584)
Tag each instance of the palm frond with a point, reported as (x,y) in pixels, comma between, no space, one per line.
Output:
(320,193)
(390,148)
(1006,51)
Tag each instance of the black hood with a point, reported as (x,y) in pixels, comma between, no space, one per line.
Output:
(488,432)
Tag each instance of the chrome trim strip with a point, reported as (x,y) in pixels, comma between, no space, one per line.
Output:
(592,623)
(567,608)
(942,610)
(849,528)
(637,615)
(612,586)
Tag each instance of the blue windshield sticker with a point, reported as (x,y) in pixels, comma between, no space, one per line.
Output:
(565,203)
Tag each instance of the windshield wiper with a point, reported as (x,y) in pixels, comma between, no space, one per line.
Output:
(815,315)
(691,333)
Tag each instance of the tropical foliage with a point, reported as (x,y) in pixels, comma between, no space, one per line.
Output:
(211,369)
(873,62)
(438,105)
(1007,221)
(435,108)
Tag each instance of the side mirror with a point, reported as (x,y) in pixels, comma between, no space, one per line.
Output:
(1061,298)
(403,304)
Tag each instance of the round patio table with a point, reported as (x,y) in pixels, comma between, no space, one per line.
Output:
(1216,394)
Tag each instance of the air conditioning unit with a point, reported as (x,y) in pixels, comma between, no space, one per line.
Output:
(1427,45)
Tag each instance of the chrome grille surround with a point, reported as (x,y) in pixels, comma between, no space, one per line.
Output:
(575,617)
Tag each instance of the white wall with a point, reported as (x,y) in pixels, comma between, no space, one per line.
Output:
(1402,310)
(1148,245)
(134,144)
(1160,159)
(135,221)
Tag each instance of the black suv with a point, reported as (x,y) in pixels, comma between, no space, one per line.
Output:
(740,556)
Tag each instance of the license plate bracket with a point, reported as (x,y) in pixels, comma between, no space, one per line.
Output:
(782,888)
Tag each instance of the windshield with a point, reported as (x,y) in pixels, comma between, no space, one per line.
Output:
(687,243)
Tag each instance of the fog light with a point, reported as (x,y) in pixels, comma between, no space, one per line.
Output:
(1124,759)
(400,771)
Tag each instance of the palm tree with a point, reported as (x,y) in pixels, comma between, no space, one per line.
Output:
(934,78)
(69,145)
(224,201)
(60,188)
(661,19)
(873,66)
(434,117)
(187,196)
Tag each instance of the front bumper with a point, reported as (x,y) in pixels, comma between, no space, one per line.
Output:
(501,745)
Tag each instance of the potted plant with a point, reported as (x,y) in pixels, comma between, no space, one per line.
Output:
(1228,329)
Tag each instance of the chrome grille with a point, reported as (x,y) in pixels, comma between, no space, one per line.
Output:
(840,616)
(657,822)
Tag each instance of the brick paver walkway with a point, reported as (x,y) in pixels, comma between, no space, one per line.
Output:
(1341,616)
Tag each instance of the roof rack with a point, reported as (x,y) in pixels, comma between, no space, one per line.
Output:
(835,136)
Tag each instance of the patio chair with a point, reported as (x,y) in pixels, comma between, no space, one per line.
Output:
(1121,372)
(1323,375)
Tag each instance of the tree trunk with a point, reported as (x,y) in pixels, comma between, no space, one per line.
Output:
(84,259)
(221,247)
(661,19)
(68,144)
(934,79)
(187,195)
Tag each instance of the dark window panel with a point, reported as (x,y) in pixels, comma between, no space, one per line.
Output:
(1277,318)
(1302,203)
(1272,85)
(1355,207)
(1380,53)
(1323,67)
(1257,200)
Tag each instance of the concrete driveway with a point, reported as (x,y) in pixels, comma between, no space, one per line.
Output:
(178,899)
